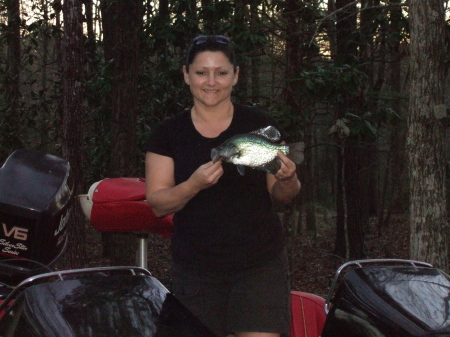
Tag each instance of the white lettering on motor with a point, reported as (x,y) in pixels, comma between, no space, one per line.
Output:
(62,223)
(18,233)
(11,248)
(62,239)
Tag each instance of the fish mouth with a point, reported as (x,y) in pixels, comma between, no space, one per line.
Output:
(224,153)
(215,155)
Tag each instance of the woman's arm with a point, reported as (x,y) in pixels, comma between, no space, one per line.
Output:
(163,196)
(284,185)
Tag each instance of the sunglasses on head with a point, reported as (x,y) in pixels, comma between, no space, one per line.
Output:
(218,38)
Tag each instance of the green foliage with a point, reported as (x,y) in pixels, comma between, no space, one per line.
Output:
(37,121)
(259,32)
(331,83)
(291,121)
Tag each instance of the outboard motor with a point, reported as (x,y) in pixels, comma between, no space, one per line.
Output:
(390,301)
(35,198)
(35,201)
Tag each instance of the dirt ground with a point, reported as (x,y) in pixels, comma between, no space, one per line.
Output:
(313,264)
(312,261)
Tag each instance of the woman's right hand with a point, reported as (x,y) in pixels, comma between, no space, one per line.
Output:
(206,175)
(163,196)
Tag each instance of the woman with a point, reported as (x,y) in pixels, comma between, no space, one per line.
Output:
(229,259)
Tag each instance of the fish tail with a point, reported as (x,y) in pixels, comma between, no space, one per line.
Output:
(297,152)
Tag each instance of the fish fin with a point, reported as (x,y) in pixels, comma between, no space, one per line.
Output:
(241,169)
(297,152)
(272,166)
(269,132)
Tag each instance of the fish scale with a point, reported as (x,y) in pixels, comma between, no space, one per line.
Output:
(256,152)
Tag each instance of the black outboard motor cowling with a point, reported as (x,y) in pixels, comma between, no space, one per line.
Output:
(35,198)
(394,301)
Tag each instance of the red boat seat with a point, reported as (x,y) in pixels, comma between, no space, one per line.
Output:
(118,205)
(308,314)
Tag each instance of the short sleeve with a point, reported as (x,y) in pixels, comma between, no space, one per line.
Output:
(159,140)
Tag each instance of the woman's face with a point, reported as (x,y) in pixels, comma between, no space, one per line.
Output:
(211,77)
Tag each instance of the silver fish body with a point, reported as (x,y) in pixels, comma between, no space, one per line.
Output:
(258,150)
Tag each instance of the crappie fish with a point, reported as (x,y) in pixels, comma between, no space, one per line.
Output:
(257,149)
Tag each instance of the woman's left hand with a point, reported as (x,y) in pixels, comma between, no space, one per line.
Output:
(284,185)
(287,170)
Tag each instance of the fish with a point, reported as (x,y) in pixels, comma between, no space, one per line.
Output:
(258,150)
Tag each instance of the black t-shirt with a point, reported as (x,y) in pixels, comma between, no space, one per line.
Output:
(232,225)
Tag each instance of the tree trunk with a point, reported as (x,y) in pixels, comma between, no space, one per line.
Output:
(90,43)
(297,36)
(14,54)
(347,54)
(164,8)
(426,131)
(372,59)
(72,94)
(59,57)
(356,198)
(308,183)
(122,21)
(255,60)
(207,8)
(340,245)
(397,150)
(242,87)
(330,27)
(45,46)
(11,86)
(191,10)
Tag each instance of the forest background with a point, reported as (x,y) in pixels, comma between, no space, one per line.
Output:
(362,83)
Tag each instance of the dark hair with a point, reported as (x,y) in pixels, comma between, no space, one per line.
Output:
(212,43)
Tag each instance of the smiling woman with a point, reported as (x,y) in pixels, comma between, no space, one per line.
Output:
(211,78)
(229,258)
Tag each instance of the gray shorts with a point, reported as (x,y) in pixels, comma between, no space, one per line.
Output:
(254,300)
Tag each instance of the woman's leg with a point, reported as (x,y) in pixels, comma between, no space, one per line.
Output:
(205,297)
(260,301)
